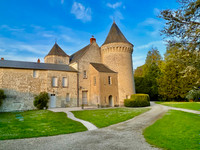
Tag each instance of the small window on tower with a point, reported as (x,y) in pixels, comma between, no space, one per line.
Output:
(95,81)
(84,74)
(109,80)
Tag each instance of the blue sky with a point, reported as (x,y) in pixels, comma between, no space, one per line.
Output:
(28,29)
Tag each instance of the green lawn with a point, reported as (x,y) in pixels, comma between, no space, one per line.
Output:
(186,105)
(36,123)
(105,117)
(177,130)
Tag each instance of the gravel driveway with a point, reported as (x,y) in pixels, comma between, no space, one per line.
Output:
(123,136)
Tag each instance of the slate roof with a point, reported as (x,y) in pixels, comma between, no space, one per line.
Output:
(56,50)
(102,68)
(76,56)
(35,66)
(115,35)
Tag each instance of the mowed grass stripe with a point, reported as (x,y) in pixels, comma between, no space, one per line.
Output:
(185,105)
(105,117)
(36,123)
(177,130)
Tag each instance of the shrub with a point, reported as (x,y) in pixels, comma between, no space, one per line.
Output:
(137,100)
(2,96)
(193,94)
(41,100)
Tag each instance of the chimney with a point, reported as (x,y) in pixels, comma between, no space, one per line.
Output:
(2,58)
(92,39)
(38,61)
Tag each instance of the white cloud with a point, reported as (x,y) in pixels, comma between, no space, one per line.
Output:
(81,12)
(149,45)
(152,26)
(6,27)
(117,16)
(115,5)
(156,11)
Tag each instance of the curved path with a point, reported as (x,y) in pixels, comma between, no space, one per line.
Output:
(70,115)
(123,136)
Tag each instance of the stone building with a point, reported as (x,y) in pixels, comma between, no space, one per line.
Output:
(99,76)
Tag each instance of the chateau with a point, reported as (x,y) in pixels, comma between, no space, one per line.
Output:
(100,76)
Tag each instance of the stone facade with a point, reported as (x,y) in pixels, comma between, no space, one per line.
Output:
(92,55)
(21,87)
(102,92)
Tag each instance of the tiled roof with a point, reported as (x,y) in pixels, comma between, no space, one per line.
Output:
(35,66)
(56,50)
(115,35)
(102,68)
(76,56)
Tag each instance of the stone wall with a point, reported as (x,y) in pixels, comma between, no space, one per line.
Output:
(21,87)
(118,57)
(92,55)
(100,92)
(53,59)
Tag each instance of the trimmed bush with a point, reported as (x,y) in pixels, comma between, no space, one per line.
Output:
(41,100)
(2,96)
(137,100)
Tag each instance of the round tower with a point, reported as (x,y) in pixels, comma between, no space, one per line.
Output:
(116,53)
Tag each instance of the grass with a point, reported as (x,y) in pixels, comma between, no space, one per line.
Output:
(105,117)
(186,105)
(36,123)
(175,131)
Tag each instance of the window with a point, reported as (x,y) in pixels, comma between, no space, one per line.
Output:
(65,82)
(54,81)
(84,74)
(109,80)
(67,97)
(34,73)
(95,81)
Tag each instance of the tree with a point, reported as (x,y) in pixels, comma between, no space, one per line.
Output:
(177,78)
(147,83)
(183,24)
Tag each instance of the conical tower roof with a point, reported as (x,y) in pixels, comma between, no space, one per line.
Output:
(115,35)
(56,50)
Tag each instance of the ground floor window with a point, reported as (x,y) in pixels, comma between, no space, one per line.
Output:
(67,97)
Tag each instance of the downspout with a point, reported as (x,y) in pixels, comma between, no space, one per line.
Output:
(78,85)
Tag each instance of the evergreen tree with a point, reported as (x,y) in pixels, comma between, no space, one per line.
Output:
(177,78)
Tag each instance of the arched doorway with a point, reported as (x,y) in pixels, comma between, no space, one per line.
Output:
(110,101)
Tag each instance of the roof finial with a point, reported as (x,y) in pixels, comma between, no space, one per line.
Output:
(113,19)
(55,40)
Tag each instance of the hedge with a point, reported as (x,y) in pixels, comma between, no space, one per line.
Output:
(137,100)
(2,96)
